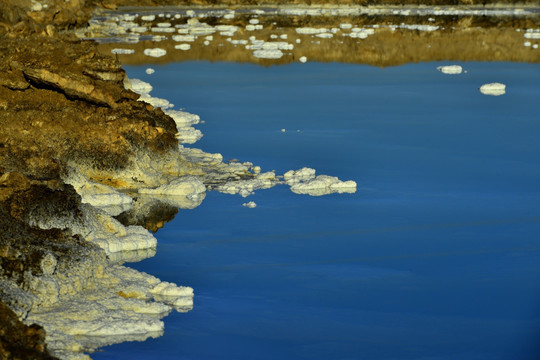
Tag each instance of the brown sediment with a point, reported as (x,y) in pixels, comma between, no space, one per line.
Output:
(457,38)
(63,103)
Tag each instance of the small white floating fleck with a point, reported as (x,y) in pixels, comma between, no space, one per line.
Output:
(155,52)
(150,71)
(190,13)
(182,47)
(494,89)
(229,16)
(283,36)
(254,21)
(123,51)
(345,26)
(298,41)
(450,69)
(302,59)
(164,25)
(209,38)
(206,42)
(283,130)
(250,204)
(535,46)
(527,43)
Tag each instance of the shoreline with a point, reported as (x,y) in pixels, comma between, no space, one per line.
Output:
(74,140)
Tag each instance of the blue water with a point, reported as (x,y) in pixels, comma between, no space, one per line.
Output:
(436,256)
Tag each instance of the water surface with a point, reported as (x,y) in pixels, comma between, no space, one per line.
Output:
(436,256)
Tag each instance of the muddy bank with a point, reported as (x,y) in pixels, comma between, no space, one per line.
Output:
(76,145)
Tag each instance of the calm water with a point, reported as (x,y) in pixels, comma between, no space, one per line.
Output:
(437,255)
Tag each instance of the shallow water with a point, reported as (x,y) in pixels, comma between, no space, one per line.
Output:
(434,257)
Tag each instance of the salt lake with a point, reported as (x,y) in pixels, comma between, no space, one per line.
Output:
(436,255)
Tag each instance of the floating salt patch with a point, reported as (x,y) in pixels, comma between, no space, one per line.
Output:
(283,130)
(302,59)
(273,36)
(450,69)
(532,34)
(345,26)
(298,41)
(250,204)
(155,52)
(185,38)
(283,36)
(226,28)
(209,38)
(177,16)
(325,35)
(190,13)
(139,29)
(148,17)
(206,42)
(123,51)
(164,25)
(310,30)
(163,30)
(527,43)
(254,21)
(182,47)
(324,185)
(494,89)
(157,38)
(150,71)
(268,54)
(535,46)
(229,16)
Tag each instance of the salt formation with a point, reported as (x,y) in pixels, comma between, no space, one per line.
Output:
(450,69)
(155,52)
(98,195)
(150,71)
(247,187)
(250,204)
(493,89)
(183,47)
(304,181)
(189,186)
(122,51)
(302,59)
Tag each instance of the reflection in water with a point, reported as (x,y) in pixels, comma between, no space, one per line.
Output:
(376,36)
(152,212)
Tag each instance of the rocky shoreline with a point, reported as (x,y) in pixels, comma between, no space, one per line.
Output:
(76,149)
